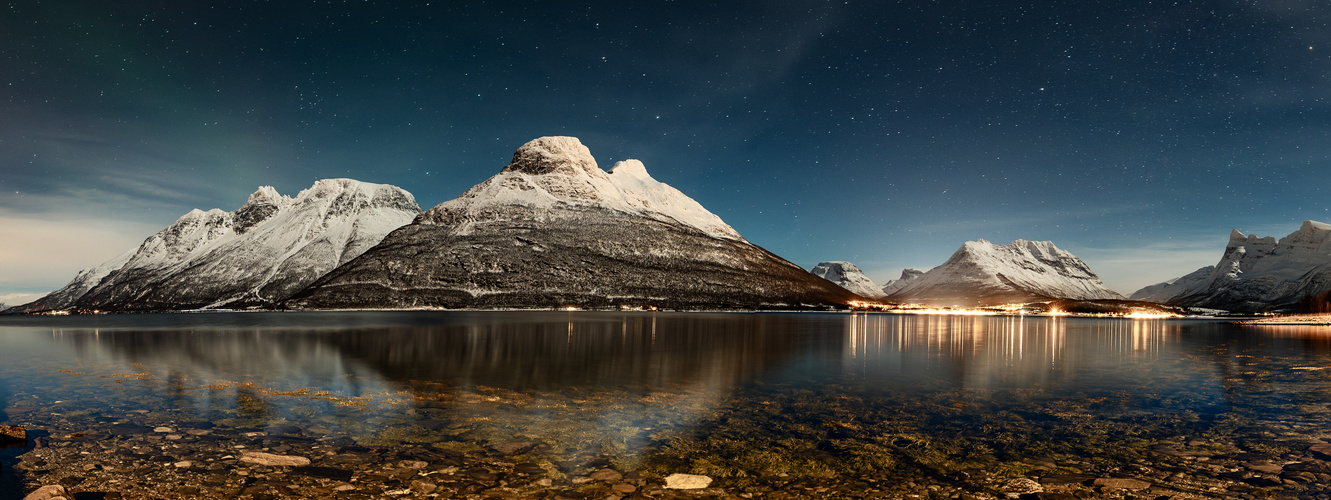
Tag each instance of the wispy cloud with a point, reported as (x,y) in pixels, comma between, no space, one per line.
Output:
(42,254)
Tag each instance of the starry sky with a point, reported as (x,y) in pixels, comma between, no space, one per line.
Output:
(885,133)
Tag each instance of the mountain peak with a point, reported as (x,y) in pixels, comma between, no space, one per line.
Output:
(630,167)
(551,175)
(848,276)
(265,195)
(554,154)
(1314,226)
(908,275)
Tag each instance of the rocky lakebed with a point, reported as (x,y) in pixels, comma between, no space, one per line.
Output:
(139,454)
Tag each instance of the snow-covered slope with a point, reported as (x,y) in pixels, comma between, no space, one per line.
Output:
(13,299)
(1256,274)
(264,251)
(848,276)
(1165,291)
(553,229)
(982,273)
(907,276)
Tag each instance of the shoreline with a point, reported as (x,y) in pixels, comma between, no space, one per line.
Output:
(1323,319)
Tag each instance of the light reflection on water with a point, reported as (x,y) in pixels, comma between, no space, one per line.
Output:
(990,351)
(623,383)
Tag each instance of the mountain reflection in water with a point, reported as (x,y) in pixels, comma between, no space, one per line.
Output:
(625,384)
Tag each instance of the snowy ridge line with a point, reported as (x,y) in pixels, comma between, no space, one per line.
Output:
(981,273)
(271,246)
(1255,274)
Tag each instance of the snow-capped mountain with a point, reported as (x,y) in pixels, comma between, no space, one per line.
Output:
(848,276)
(553,229)
(1255,274)
(907,276)
(982,273)
(263,252)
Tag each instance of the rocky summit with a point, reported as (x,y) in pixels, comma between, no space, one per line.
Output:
(552,229)
(848,276)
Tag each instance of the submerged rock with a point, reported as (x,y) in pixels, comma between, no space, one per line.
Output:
(1021,486)
(1122,483)
(687,482)
(13,435)
(1321,451)
(50,492)
(260,458)
(608,475)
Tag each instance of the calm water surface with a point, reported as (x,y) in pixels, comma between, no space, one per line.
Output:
(728,395)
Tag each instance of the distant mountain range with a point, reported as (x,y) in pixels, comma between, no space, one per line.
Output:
(552,229)
(1255,274)
(269,248)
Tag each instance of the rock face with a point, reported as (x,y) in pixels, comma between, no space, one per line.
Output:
(1255,274)
(552,229)
(269,248)
(907,276)
(982,274)
(848,276)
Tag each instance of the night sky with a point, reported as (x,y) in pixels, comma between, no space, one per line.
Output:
(1133,134)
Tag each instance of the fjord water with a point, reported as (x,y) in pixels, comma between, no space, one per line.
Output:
(726,394)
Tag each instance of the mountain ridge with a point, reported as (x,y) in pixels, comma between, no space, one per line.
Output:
(981,273)
(256,255)
(1255,274)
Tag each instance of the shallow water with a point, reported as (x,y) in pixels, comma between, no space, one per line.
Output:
(737,397)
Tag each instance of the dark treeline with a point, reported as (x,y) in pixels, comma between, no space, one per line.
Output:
(1315,303)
